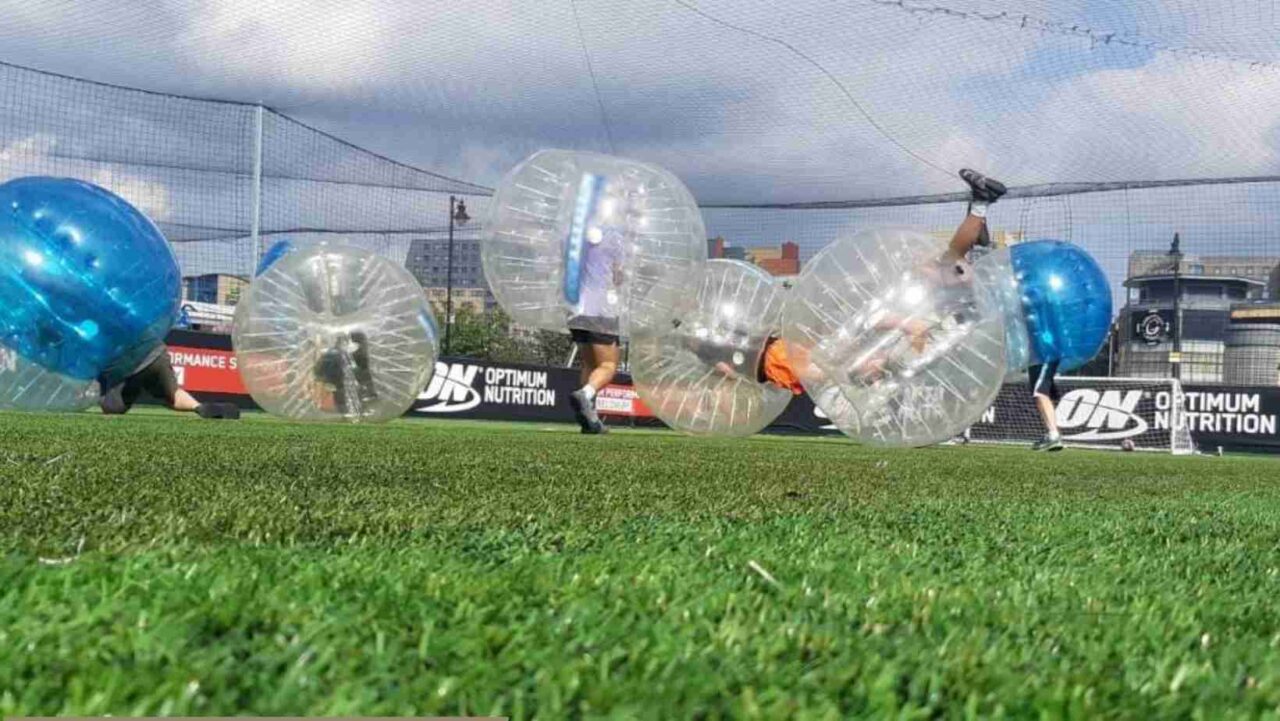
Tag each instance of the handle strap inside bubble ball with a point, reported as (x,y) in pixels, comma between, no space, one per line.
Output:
(575,245)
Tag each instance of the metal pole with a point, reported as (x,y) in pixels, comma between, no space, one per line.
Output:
(1177,308)
(255,214)
(448,292)
(1111,348)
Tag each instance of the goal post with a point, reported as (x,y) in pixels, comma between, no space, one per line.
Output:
(1094,412)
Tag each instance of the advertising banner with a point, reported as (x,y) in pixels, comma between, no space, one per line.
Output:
(1227,416)
(204,370)
(464,388)
(621,400)
(1232,417)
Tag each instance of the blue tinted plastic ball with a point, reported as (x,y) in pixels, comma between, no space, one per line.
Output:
(1066,299)
(88,285)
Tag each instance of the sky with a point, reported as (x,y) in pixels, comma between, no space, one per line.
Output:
(748,101)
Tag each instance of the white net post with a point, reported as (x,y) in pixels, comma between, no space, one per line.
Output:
(1142,414)
(255,214)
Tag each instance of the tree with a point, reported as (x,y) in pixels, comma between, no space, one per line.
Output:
(492,336)
(547,347)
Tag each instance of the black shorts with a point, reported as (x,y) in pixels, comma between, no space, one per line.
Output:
(593,338)
(157,379)
(1041,378)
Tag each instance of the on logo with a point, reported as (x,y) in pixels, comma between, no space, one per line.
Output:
(1107,416)
(451,388)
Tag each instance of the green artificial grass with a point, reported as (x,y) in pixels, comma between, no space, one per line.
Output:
(158,564)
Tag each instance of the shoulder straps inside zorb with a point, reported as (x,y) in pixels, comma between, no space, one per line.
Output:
(589,189)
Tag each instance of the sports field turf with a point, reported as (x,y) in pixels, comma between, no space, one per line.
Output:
(156,564)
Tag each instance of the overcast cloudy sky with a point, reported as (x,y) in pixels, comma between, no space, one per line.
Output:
(747,100)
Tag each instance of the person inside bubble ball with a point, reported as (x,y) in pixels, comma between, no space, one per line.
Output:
(925,337)
(334,393)
(776,364)
(156,378)
(951,274)
(595,326)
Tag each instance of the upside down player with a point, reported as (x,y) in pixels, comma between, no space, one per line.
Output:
(777,366)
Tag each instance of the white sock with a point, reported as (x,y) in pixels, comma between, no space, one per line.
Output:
(978,208)
(589,392)
(1055,435)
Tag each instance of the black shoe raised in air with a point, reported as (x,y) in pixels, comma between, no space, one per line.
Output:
(984,189)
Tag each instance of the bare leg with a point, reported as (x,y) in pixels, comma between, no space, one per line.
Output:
(588,359)
(965,237)
(599,363)
(606,365)
(182,401)
(1044,404)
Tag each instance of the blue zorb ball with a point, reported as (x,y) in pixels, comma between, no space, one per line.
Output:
(1066,300)
(88,285)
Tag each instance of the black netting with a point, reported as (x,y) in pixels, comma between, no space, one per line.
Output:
(1118,125)
(749,101)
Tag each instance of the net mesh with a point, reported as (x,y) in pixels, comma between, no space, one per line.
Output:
(1117,124)
(1134,414)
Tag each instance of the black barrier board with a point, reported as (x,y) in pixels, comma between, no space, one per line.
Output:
(1100,413)
(464,388)
(1233,417)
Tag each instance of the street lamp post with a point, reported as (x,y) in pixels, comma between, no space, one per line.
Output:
(1175,252)
(457,215)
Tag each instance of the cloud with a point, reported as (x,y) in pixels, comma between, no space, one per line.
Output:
(1171,118)
(715,94)
(35,155)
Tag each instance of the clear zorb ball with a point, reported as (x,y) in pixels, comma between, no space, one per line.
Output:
(700,371)
(25,386)
(335,333)
(588,241)
(898,345)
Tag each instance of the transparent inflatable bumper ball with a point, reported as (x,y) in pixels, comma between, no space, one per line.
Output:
(335,333)
(588,241)
(700,371)
(895,343)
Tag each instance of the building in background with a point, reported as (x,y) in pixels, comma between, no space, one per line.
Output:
(1222,338)
(781,261)
(717,247)
(214,288)
(428,261)
(1251,354)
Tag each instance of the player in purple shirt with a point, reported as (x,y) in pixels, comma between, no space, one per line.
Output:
(594,327)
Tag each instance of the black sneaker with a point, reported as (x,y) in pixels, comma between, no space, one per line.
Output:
(595,429)
(984,189)
(218,411)
(578,401)
(1048,443)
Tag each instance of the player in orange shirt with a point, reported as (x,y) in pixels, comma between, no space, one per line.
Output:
(776,365)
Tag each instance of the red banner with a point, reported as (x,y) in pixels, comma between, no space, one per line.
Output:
(206,370)
(616,400)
